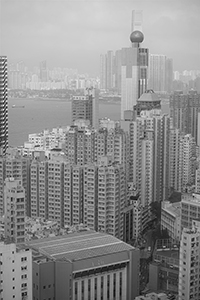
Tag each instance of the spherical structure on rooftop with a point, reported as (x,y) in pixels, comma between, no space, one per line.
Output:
(137,37)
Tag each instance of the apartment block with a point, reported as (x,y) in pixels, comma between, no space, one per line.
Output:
(189,271)
(14,221)
(16,271)
(190,209)
(171,219)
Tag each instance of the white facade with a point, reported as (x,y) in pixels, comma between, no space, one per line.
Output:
(189,270)
(16,272)
(171,219)
(129,89)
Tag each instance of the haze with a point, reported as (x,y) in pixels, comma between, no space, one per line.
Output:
(74,33)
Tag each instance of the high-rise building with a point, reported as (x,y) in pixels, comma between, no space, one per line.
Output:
(86,107)
(85,266)
(133,72)
(190,209)
(3,105)
(43,71)
(14,196)
(169,75)
(184,110)
(157,72)
(136,20)
(189,271)
(16,271)
(148,101)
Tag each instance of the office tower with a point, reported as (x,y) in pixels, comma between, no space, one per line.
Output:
(103,71)
(184,110)
(43,72)
(107,70)
(16,271)
(86,265)
(148,101)
(86,107)
(169,75)
(137,20)
(133,72)
(117,70)
(189,271)
(14,199)
(3,105)
(157,72)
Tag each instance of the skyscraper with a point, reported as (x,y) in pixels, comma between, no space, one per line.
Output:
(133,72)
(136,20)
(157,72)
(3,105)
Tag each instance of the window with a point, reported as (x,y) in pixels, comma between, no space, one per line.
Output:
(44,287)
(24,259)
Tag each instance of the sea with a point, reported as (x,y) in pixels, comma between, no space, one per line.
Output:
(34,115)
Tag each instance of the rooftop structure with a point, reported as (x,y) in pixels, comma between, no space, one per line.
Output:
(85,265)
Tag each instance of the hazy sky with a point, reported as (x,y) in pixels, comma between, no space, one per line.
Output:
(74,33)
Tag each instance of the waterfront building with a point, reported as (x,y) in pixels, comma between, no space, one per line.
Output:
(86,107)
(189,271)
(3,105)
(133,72)
(16,271)
(171,219)
(85,265)
(14,201)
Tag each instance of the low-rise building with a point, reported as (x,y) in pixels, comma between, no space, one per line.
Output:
(171,219)
(85,266)
(153,296)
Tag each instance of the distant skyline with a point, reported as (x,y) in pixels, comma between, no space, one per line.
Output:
(74,33)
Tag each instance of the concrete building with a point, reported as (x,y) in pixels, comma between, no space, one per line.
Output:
(16,272)
(136,20)
(14,199)
(189,270)
(153,296)
(147,101)
(190,209)
(86,107)
(164,269)
(133,72)
(171,219)
(157,71)
(184,110)
(85,265)
(3,105)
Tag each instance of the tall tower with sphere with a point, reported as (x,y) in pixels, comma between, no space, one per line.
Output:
(133,72)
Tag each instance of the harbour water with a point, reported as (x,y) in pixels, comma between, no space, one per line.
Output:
(34,115)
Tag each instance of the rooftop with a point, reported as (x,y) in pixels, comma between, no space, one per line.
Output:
(79,246)
(149,96)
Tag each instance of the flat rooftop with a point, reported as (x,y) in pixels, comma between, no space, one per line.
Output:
(168,253)
(79,246)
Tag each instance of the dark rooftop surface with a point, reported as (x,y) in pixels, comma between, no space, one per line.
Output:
(78,246)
